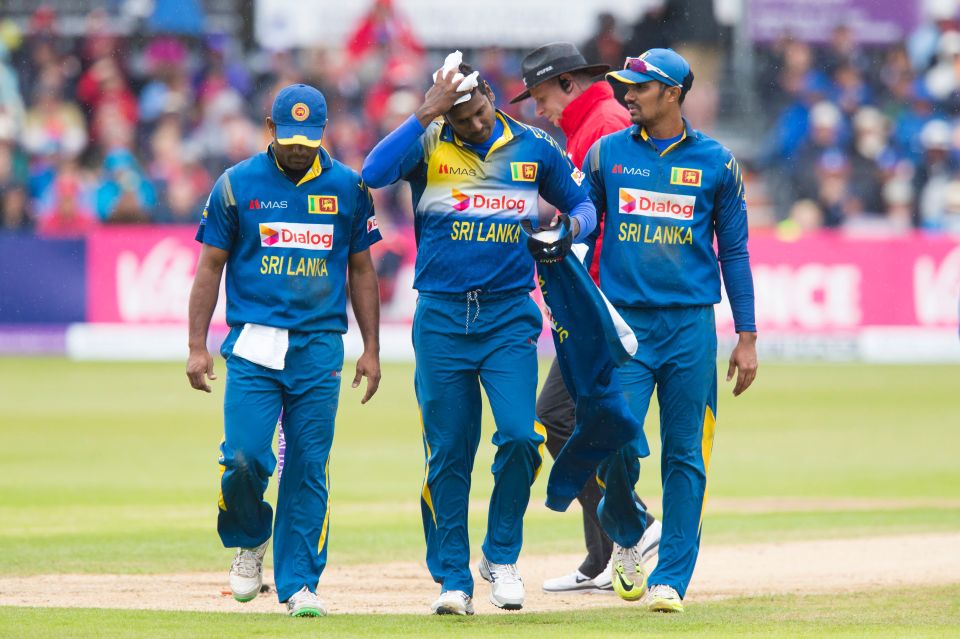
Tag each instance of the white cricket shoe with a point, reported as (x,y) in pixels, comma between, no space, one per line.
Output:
(304,603)
(246,573)
(453,602)
(663,598)
(627,573)
(576,582)
(507,591)
(602,581)
(650,542)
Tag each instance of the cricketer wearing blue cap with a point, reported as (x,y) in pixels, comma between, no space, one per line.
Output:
(667,192)
(475,174)
(286,224)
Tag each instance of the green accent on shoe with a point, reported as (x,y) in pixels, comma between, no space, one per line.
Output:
(308,612)
(626,589)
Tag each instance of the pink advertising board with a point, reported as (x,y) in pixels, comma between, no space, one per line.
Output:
(834,284)
(826,284)
(142,275)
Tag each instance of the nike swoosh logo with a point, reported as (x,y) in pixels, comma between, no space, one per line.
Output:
(580,579)
(626,585)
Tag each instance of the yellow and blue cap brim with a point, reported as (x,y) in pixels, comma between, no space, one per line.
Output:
(310,136)
(631,77)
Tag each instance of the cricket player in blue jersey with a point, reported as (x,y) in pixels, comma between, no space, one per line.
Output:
(475,174)
(286,224)
(668,191)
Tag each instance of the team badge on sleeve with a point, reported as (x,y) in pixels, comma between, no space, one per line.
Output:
(322,204)
(685,177)
(578,176)
(372,225)
(523,171)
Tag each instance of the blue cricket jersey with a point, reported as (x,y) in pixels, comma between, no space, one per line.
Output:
(288,242)
(468,208)
(662,211)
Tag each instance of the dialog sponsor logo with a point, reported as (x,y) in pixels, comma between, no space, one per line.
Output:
(490,202)
(654,204)
(312,237)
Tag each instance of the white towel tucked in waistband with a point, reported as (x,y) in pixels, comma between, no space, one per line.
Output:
(264,345)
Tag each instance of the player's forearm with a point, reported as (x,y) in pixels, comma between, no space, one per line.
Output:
(585,216)
(382,165)
(365,297)
(203,299)
(738,280)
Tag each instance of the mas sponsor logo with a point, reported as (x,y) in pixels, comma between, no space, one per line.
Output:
(493,202)
(312,237)
(654,204)
(267,204)
(619,169)
(449,169)
(372,225)
(322,204)
(523,171)
(685,177)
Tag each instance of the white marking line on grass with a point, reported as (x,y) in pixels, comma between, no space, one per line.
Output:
(796,567)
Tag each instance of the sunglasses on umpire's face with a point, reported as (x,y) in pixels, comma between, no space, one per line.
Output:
(639,65)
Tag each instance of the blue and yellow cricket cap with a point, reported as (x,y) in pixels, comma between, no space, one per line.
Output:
(300,113)
(663,65)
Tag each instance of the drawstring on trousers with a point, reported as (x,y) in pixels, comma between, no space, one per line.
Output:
(472,297)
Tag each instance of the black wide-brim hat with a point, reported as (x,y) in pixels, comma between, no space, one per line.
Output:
(551,60)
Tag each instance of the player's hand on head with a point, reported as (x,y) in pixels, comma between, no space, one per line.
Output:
(200,365)
(440,97)
(368,366)
(743,362)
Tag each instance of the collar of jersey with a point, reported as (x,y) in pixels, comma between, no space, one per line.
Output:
(510,131)
(641,132)
(321,161)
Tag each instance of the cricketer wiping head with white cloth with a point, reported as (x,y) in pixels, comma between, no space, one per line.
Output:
(475,173)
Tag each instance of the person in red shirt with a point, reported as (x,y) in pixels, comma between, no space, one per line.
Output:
(562,84)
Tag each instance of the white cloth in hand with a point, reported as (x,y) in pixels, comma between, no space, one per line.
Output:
(467,83)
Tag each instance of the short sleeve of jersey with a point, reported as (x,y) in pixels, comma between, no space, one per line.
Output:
(365,231)
(219,222)
(594,175)
(562,183)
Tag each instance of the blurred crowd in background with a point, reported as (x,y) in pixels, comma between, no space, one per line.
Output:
(134,128)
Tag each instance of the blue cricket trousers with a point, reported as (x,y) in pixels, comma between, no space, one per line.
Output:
(460,346)
(677,355)
(307,391)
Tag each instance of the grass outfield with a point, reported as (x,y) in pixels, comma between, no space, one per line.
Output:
(921,612)
(111,467)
